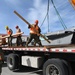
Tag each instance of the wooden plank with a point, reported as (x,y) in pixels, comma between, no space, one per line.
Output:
(11,35)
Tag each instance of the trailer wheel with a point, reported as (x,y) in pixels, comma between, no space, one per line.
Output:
(12,61)
(68,67)
(54,67)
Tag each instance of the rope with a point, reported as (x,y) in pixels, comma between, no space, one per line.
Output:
(64,26)
(47,15)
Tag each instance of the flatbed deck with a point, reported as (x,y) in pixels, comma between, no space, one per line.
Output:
(57,48)
(45,46)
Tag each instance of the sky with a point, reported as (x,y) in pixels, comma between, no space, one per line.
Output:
(33,10)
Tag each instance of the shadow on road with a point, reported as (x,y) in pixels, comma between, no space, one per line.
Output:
(25,69)
(4,65)
(30,70)
(37,72)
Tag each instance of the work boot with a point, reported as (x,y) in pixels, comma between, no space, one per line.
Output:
(40,45)
(26,44)
(34,43)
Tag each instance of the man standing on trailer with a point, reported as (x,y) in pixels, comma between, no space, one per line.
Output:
(33,34)
(19,39)
(9,33)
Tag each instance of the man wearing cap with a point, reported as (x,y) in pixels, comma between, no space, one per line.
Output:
(19,39)
(33,34)
(9,33)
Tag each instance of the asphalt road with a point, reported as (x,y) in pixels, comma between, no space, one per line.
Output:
(23,71)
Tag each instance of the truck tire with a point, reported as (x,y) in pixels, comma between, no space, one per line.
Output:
(68,66)
(54,67)
(12,61)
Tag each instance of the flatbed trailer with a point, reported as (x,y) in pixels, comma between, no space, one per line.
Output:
(54,60)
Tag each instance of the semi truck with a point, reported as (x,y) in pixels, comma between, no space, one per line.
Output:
(53,60)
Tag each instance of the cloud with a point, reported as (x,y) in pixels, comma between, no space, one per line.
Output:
(66,13)
(36,9)
(13,2)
